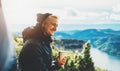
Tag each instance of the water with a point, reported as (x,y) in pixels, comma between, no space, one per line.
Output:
(104,61)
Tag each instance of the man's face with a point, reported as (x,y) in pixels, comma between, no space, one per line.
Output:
(50,26)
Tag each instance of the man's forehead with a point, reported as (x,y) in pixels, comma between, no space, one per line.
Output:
(53,19)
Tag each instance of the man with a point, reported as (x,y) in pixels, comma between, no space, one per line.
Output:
(7,53)
(36,54)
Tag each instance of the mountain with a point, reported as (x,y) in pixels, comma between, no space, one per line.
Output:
(111,45)
(106,40)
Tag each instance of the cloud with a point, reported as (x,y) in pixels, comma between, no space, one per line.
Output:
(73,15)
(116,8)
(69,11)
(115,17)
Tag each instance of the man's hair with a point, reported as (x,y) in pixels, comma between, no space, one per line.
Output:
(49,17)
(53,16)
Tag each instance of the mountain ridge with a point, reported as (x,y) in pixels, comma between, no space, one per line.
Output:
(100,38)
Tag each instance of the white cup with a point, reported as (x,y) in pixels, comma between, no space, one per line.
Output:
(62,54)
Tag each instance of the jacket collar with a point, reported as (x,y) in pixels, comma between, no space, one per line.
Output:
(42,37)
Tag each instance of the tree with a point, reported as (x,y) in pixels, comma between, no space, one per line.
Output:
(86,63)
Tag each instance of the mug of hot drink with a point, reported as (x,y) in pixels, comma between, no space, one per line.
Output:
(62,56)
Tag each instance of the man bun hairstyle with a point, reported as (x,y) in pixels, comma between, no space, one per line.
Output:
(42,17)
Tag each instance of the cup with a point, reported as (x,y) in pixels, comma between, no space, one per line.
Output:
(62,54)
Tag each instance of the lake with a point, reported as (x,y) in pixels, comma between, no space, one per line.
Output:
(105,61)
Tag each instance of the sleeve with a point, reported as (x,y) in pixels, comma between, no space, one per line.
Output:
(39,62)
(54,66)
(31,59)
(42,66)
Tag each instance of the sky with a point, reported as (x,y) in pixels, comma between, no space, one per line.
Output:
(69,11)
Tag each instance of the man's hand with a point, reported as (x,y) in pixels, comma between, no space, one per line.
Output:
(61,61)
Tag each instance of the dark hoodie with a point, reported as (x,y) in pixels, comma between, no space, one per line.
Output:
(36,52)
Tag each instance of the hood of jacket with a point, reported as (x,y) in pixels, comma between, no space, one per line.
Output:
(33,33)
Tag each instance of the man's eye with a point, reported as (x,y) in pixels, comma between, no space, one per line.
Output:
(54,24)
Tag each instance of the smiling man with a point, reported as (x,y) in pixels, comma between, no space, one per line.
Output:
(50,25)
(36,54)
